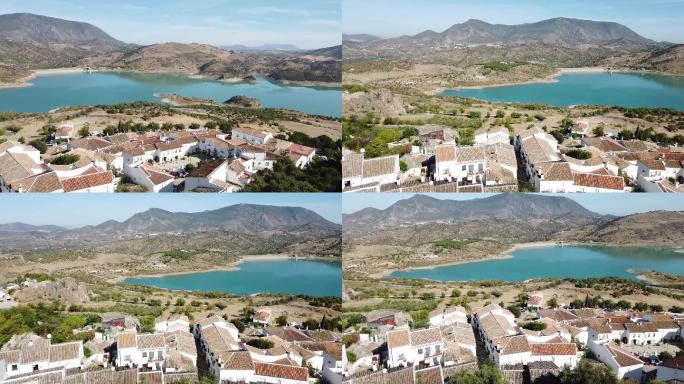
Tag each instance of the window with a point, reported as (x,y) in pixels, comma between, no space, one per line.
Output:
(15,367)
(420,351)
(437,349)
(144,354)
(159,354)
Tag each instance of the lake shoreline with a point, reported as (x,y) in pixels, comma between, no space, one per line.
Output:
(234,266)
(506,254)
(552,78)
(25,81)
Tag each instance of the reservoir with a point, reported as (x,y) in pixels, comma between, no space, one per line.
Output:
(558,262)
(602,88)
(76,89)
(295,277)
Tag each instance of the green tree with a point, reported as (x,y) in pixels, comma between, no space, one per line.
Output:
(281,320)
(598,131)
(552,302)
(487,374)
(586,372)
(84,131)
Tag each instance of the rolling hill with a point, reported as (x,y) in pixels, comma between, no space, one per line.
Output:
(422,209)
(44,30)
(257,227)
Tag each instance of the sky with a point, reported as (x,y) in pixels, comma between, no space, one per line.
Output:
(604,203)
(308,24)
(659,20)
(76,210)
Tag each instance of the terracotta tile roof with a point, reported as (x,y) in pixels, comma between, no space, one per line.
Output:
(431,375)
(151,341)
(119,138)
(674,156)
(559,171)
(673,163)
(623,358)
(237,360)
(398,338)
(207,168)
(641,328)
(182,341)
(381,166)
(126,340)
(11,357)
(87,181)
(470,154)
(207,321)
(155,176)
(65,351)
(218,143)
(43,182)
(543,365)
(503,154)
(538,150)
(282,371)
(554,349)
(352,165)
(288,334)
(332,348)
(445,152)
(218,339)
(665,324)
(531,132)
(428,336)
(175,144)
(604,144)
(513,344)
(301,149)
(12,169)
(656,165)
(91,143)
(495,326)
(558,314)
(398,376)
(599,181)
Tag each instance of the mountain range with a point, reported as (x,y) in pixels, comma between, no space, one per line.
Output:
(557,42)
(508,217)
(44,30)
(420,209)
(29,41)
(260,48)
(259,221)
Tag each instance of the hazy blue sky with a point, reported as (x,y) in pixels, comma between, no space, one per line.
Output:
(75,210)
(304,23)
(605,203)
(654,19)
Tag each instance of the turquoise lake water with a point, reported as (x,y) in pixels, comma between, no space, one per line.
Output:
(558,262)
(301,277)
(53,91)
(603,88)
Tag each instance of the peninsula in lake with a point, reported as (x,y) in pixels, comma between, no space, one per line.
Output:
(538,280)
(81,110)
(484,106)
(188,278)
